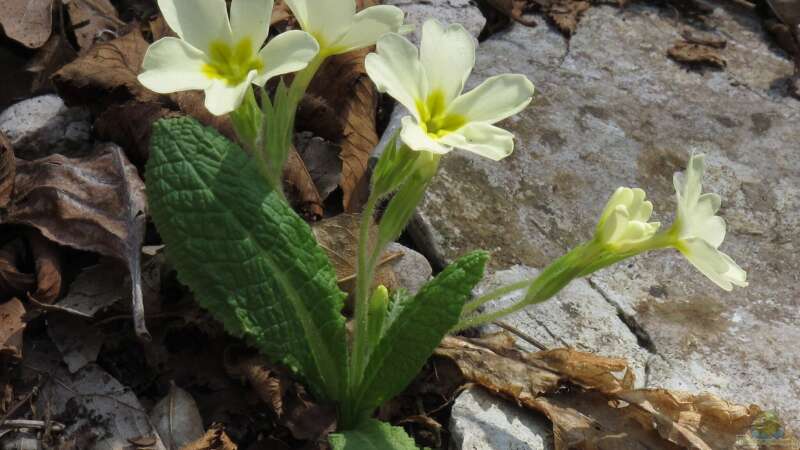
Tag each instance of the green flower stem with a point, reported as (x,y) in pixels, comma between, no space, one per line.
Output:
(497,293)
(549,282)
(365,270)
(581,261)
(302,79)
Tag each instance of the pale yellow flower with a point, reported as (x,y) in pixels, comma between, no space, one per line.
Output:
(339,29)
(624,222)
(429,83)
(221,56)
(699,231)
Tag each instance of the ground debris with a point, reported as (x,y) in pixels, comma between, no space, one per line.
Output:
(698,53)
(214,439)
(565,14)
(591,401)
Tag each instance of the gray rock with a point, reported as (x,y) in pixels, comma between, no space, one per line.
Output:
(412,269)
(480,421)
(612,110)
(464,12)
(578,317)
(41,126)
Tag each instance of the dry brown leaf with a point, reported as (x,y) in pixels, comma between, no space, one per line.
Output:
(47,257)
(290,402)
(11,327)
(514,9)
(565,14)
(321,158)
(214,439)
(788,11)
(303,192)
(281,14)
(592,403)
(94,203)
(56,52)
(29,22)
(13,282)
(92,19)
(269,383)
(8,167)
(695,53)
(343,84)
(130,125)
(338,236)
(177,419)
(106,74)
(34,250)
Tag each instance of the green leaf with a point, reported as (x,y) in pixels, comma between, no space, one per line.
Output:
(413,329)
(373,435)
(250,260)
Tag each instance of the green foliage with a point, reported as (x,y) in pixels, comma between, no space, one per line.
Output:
(373,435)
(248,257)
(414,327)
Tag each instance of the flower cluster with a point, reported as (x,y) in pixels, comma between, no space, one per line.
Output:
(224,54)
(697,231)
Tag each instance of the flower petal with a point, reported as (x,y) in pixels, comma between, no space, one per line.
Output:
(300,11)
(735,274)
(396,70)
(287,52)
(692,179)
(482,138)
(417,139)
(369,25)
(326,20)
(222,98)
(172,65)
(495,99)
(198,22)
(250,19)
(448,55)
(711,262)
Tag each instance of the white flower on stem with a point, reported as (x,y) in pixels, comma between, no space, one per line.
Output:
(219,55)
(429,83)
(699,231)
(339,29)
(624,222)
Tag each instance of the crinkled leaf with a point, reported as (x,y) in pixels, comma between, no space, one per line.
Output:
(249,258)
(415,326)
(373,435)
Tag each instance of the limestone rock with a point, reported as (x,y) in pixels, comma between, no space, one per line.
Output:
(41,126)
(464,12)
(480,421)
(612,110)
(412,269)
(578,317)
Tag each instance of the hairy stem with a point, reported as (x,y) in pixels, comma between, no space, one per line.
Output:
(365,270)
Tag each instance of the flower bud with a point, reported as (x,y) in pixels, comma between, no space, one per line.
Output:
(624,222)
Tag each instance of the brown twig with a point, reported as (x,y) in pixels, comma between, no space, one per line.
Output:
(517,332)
(59,308)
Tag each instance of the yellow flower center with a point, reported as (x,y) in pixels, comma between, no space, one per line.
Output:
(232,63)
(435,121)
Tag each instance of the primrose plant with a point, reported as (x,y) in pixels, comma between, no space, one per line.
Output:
(254,263)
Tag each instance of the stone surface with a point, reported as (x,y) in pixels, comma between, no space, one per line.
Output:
(464,12)
(40,126)
(412,269)
(480,421)
(612,109)
(578,317)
